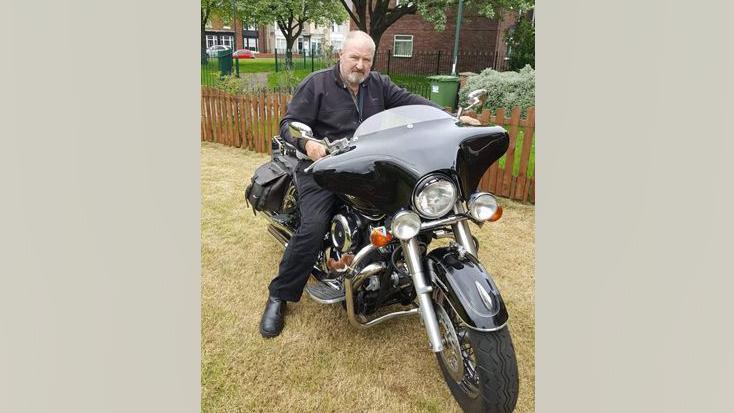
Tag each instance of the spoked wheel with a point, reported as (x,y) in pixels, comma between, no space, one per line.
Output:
(479,367)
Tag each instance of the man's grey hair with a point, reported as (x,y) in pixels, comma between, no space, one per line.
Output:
(360,36)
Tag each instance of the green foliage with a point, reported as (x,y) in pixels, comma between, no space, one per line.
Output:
(292,14)
(223,9)
(434,11)
(228,83)
(376,16)
(211,8)
(521,44)
(286,79)
(505,89)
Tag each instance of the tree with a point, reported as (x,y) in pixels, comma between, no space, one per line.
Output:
(209,8)
(521,44)
(291,15)
(375,16)
(223,9)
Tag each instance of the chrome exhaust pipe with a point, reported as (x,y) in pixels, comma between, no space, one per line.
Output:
(278,235)
(280,232)
(277,224)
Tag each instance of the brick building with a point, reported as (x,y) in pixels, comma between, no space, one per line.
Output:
(219,32)
(410,45)
(413,43)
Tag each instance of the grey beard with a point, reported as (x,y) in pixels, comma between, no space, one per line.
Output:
(355,77)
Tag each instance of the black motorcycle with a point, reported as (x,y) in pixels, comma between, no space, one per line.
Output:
(407,177)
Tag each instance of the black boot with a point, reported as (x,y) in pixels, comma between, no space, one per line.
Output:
(271,323)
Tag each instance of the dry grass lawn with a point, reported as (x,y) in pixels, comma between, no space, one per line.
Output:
(320,363)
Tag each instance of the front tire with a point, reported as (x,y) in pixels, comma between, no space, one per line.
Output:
(487,380)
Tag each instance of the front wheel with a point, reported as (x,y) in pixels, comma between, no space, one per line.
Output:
(479,367)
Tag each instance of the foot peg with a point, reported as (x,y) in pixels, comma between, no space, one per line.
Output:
(328,292)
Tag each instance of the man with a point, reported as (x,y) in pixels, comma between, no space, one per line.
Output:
(333,102)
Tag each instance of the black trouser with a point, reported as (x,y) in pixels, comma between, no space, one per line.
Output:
(317,207)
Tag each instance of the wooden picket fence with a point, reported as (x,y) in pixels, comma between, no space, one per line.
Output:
(250,122)
(501,181)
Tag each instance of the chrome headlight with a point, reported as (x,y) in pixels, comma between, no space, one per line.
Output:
(434,197)
(482,206)
(405,225)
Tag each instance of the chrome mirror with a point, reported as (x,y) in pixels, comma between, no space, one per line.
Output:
(478,96)
(300,130)
(475,97)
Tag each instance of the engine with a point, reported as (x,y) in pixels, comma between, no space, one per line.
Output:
(346,232)
(350,231)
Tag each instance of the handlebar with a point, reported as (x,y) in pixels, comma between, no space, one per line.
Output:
(331,146)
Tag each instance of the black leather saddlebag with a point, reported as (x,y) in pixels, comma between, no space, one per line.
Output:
(268,186)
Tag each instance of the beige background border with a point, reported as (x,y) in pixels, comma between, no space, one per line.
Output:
(99,172)
(634,232)
(99,304)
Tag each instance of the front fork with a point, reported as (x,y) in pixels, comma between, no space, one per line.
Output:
(423,291)
(422,288)
(462,233)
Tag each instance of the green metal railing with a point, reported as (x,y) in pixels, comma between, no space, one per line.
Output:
(310,62)
(214,68)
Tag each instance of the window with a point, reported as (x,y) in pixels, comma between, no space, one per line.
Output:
(403,45)
(211,41)
(339,27)
(227,41)
(280,44)
(250,43)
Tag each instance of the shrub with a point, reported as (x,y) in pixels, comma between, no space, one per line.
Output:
(248,84)
(286,79)
(521,44)
(505,89)
(227,83)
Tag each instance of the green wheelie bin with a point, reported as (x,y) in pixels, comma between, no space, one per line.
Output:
(444,90)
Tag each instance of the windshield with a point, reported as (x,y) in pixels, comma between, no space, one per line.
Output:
(400,116)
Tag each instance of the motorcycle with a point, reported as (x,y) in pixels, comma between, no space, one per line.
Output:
(407,177)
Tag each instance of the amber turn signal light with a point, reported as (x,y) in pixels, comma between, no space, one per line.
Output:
(379,237)
(497,215)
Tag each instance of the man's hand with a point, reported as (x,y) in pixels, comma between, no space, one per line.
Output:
(315,151)
(469,120)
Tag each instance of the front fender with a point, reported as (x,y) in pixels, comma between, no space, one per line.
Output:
(459,278)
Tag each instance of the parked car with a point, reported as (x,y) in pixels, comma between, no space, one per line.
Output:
(244,54)
(214,51)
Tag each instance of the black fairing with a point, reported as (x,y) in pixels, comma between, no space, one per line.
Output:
(382,168)
(457,278)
